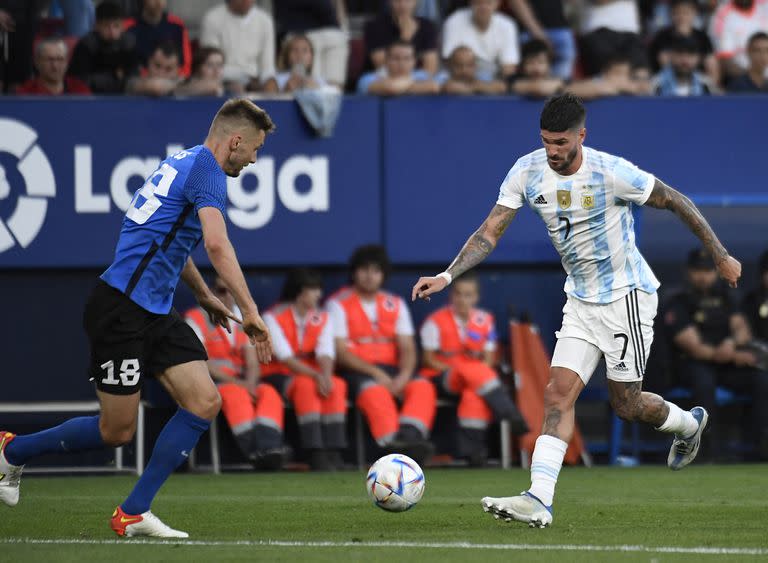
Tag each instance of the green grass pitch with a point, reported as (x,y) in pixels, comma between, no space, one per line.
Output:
(651,510)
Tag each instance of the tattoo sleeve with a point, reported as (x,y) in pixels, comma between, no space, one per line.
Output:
(483,240)
(664,197)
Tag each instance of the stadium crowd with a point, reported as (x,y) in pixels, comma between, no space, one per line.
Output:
(533,48)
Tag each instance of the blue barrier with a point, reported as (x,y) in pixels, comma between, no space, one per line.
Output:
(418,174)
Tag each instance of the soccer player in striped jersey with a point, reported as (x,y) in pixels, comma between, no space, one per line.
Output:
(585,199)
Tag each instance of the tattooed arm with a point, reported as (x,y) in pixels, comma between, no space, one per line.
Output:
(474,251)
(664,197)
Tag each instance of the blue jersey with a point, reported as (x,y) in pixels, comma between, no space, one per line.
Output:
(161,227)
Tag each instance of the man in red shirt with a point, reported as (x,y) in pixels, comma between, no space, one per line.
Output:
(51,65)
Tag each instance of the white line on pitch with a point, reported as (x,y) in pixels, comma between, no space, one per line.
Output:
(431,545)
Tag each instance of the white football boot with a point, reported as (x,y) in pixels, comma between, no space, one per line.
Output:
(684,450)
(10,475)
(146,524)
(523,508)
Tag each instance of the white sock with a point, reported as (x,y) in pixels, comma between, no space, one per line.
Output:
(679,421)
(546,462)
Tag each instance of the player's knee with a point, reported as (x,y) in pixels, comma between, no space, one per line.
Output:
(117,435)
(628,411)
(206,406)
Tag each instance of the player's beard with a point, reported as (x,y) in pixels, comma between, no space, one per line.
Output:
(563,165)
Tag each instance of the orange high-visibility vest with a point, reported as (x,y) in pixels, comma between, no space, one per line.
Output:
(222,353)
(372,342)
(304,350)
(479,328)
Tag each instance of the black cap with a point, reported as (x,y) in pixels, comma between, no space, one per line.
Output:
(700,259)
(109,10)
(684,44)
(763,264)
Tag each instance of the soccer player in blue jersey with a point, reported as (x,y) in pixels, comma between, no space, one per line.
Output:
(135,333)
(585,198)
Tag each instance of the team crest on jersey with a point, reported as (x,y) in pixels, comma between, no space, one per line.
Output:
(564,199)
(587,201)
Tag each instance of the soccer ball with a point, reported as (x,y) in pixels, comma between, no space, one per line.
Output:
(395,483)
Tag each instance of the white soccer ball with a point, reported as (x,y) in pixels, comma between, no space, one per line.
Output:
(395,482)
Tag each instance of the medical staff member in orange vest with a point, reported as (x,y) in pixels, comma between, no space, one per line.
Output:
(459,355)
(302,368)
(253,410)
(376,354)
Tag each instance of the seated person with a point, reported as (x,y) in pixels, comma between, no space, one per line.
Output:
(105,58)
(51,64)
(398,76)
(617,78)
(754,307)
(683,14)
(161,76)
(154,25)
(708,333)
(462,78)
(253,410)
(535,76)
(680,77)
(207,77)
(401,23)
(302,368)
(376,354)
(459,344)
(731,26)
(491,36)
(294,66)
(755,79)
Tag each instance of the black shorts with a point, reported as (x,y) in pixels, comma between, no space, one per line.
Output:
(128,342)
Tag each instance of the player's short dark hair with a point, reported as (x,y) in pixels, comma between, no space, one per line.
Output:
(244,110)
(563,113)
(201,56)
(109,10)
(167,48)
(533,48)
(370,254)
(757,36)
(297,280)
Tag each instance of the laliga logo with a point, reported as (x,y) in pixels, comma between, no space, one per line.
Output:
(28,216)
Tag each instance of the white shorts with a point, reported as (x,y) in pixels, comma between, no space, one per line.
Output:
(621,331)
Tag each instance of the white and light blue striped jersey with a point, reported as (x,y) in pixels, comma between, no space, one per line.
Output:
(589,218)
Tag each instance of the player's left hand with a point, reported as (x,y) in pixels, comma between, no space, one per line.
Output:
(730,270)
(256,329)
(426,286)
(217,311)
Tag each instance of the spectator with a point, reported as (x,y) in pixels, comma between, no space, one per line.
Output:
(680,77)
(755,79)
(51,65)
(401,23)
(302,368)
(154,26)
(755,304)
(324,23)
(491,36)
(684,14)
(295,64)
(105,58)
(207,73)
(610,28)
(247,37)
(254,411)
(18,24)
(707,331)
(191,13)
(462,77)
(398,76)
(616,79)
(459,343)
(535,76)
(732,25)
(376,354)
(545,20)
(161,76)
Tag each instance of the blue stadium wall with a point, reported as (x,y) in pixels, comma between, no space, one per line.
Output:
(417,175)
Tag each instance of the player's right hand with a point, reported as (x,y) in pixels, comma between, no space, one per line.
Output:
(426,286)
(257,331)
(730,270)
